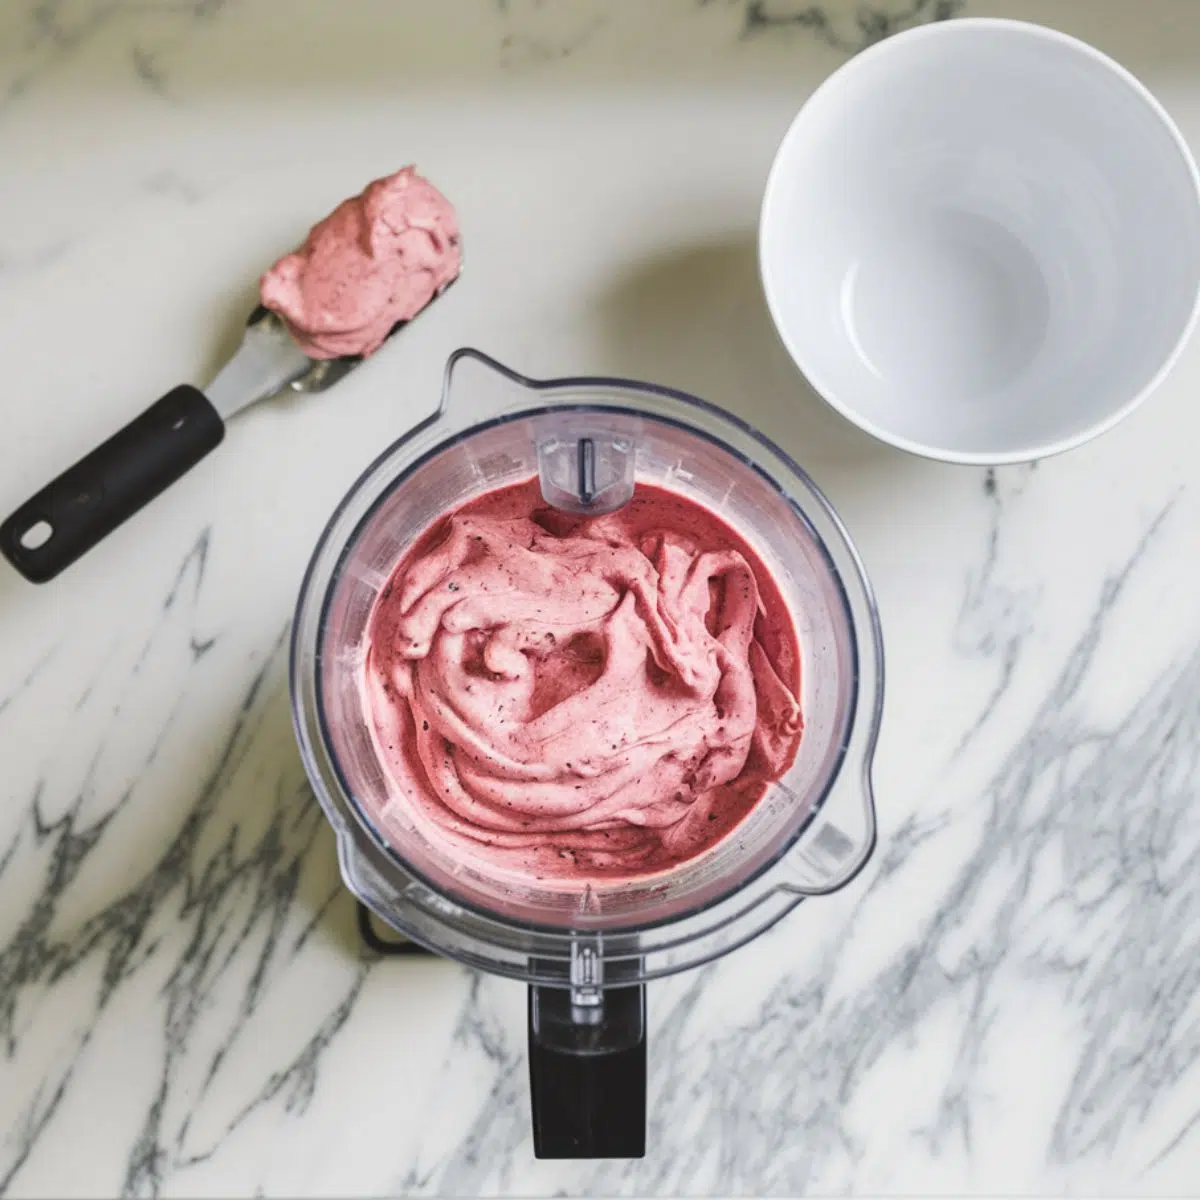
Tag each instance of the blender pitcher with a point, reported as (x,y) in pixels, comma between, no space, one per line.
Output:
(587,952)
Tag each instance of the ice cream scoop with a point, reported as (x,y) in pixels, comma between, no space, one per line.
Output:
(362,273)
(370,265)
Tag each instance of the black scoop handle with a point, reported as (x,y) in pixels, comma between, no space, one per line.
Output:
(104,489)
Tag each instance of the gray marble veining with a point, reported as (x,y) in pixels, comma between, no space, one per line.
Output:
(1005,1003)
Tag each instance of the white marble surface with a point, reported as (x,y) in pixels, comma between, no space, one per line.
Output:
(1007,1002)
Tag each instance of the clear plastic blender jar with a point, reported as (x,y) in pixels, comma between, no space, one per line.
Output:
(587,953)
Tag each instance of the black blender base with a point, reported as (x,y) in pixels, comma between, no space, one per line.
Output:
(571,1098)
(384,945)
(588,1103)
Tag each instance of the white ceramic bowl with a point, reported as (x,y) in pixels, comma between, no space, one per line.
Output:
(980,241)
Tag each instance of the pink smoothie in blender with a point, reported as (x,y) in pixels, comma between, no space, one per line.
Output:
(565,699)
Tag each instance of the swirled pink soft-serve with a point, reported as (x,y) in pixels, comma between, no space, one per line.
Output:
(376,260)
(569,700)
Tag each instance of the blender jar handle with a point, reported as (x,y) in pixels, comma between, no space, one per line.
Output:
(587,1072)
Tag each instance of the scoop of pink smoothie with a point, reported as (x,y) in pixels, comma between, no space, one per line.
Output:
(378,258)
(580,698)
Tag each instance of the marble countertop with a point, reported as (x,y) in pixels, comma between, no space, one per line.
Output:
(1008,1001)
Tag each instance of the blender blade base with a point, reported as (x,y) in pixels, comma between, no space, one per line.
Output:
(384,945)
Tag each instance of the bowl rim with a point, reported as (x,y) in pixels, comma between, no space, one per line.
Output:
(957,27)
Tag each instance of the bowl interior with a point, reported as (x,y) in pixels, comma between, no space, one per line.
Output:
(981,241)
